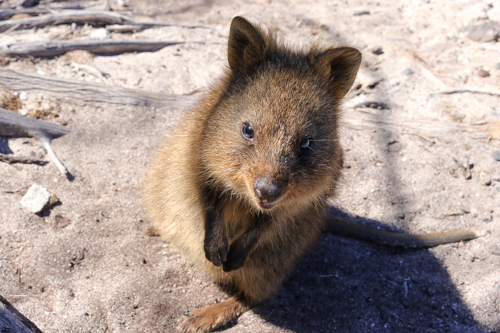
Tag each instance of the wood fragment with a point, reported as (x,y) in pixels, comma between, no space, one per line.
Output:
(373,105)
(102,47)
(7,13)
(11,159)
(422,127)
(13,321)
(124,28)
(10,29)
(15,125)
(468,90)
(84,93)
(97,18)
(80,17)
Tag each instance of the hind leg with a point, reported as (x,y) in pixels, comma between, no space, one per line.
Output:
(208,318)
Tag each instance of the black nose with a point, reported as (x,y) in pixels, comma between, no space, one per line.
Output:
(267,189)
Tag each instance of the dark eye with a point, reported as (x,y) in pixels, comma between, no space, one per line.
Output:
(306,144)
(247,131)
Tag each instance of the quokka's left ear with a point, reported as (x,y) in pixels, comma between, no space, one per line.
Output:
(340,66)
(245,47)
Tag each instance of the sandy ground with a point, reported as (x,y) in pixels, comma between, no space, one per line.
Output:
(102,273)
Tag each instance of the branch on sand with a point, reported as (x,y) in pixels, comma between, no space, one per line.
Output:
(13,321)
(80,17)
(83,93)
(15,125)
(102,47)
(19,159)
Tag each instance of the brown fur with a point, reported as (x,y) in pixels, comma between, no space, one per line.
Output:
(211,188)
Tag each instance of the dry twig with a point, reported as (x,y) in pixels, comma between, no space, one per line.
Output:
(19,159)
(15,125)
(468,90)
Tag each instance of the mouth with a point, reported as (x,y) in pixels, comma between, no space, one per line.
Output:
(266,205)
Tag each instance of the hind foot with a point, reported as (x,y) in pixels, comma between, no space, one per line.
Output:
(206,319)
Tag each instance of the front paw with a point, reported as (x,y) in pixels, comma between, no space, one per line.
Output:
(216,250)
(234,261)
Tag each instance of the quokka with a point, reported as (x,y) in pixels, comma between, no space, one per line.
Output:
(241,187)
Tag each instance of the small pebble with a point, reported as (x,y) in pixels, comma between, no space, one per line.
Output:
(23,96)
(485,178)
(498,66)
(496,155)
(483,73)
(488,219)
(495,249)
(401,216)
(36,199)
(408,71)
(377,50)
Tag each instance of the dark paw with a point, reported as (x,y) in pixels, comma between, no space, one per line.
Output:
(216,250)
(234,262)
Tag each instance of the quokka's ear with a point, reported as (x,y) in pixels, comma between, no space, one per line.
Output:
(245,46)
(340,66)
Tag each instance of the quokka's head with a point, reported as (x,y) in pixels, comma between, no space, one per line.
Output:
(272,137)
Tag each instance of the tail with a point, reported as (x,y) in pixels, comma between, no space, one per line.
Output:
(354,230)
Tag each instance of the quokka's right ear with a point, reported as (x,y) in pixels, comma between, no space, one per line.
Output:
(339,66)
(245,47)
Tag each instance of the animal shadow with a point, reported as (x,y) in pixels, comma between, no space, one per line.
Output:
(348,285)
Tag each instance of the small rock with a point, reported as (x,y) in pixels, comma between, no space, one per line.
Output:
(377,50)
(483,30)
(401,216)
(495,249)
(408,71)
(483,73)
(484,178)
(23,96)
(99,34)
(61,222)
(473,213)
(488,219)
(36,199)
(498,66)
(496,155)
(40,72)
(466,172)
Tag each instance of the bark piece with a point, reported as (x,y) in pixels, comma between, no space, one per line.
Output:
(11,159)
(13,321)
(96,18)
(15,125)
(102,47)
(83,93)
